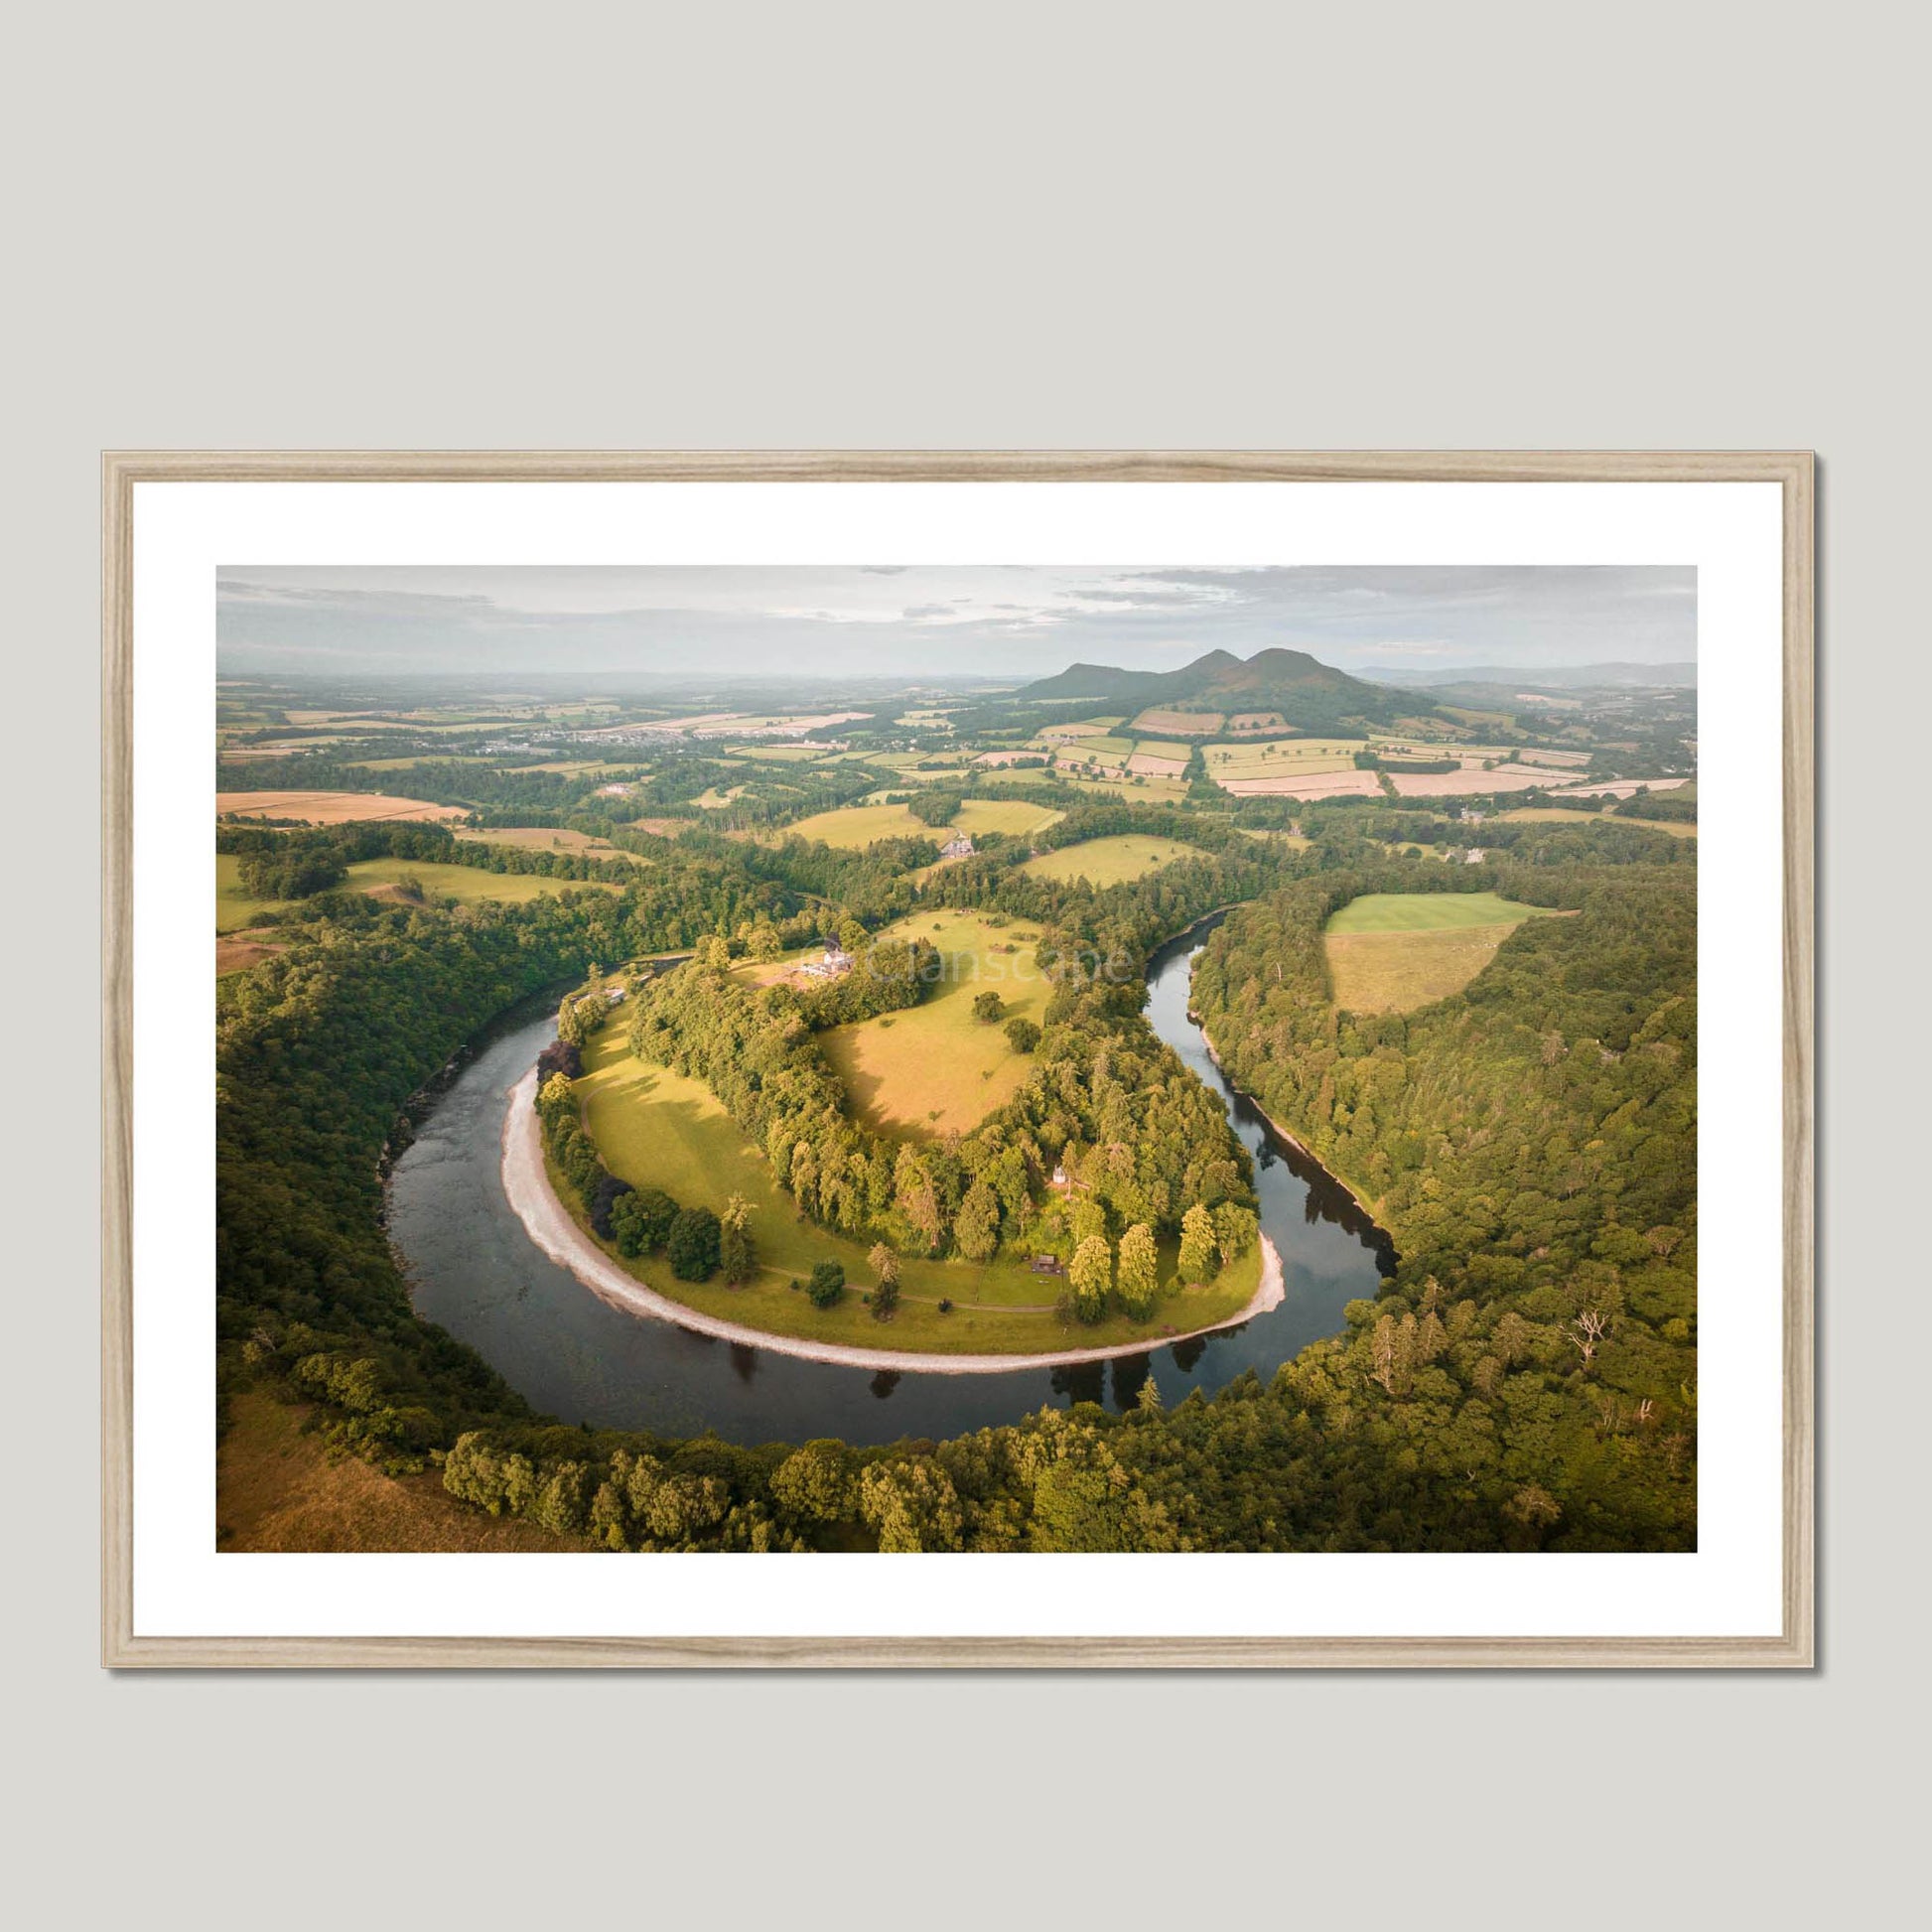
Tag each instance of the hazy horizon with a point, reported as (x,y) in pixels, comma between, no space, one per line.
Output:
(921,621)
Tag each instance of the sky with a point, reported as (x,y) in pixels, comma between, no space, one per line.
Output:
(917,622)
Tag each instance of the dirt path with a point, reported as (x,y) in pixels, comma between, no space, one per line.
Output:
(550,1226)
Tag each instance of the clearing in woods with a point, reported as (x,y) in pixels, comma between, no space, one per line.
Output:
(932,1069)
(386,878)
(1531,815)
(854,827)
(1390,952)
(1110,861)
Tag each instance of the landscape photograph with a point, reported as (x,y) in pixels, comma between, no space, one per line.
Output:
(956,1058)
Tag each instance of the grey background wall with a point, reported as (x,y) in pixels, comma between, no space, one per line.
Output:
(1052,226)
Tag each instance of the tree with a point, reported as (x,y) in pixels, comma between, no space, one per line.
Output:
(559,1058)
(852,935)
(1138,1274)
(1089,1218)
(641,1223)
(1198,1248)
(1091,1277)
(934,807)
(976,1227)
(1235,1230)
(735,1254)
(556,1100)
(604,1196)
(293,873)
(816,1483)
(911,1506)
(916,1198)
(827,1283)
(986,1008)
(692,1244)
(1021,1035)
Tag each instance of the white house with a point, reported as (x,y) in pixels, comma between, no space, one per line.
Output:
(959,846)
(834,962)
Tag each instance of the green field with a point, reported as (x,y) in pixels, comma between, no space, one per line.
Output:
(232,906)
(466,884)
(1429,911)
(933,1067)
(655,1128)
(1104,747)
(1110,861)
(1531,815)
(854,827)
(1392,952)
(1136,788)
(1280,758)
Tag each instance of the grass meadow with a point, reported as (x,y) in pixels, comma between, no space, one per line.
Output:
(934,1068)
(1111,862)
(854,827)
(1392,952)
(234,908)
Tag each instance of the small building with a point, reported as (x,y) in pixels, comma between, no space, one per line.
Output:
(1474,856)
(959,846)
(1049,1264)
(832,964)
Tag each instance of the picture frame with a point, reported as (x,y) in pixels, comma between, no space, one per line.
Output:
(124,1645)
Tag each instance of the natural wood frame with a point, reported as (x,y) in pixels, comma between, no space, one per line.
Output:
(121,471)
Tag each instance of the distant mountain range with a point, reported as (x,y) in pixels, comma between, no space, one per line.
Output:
(1559,677)
(1308,691)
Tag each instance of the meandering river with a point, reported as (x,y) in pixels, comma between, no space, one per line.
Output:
(473,1269)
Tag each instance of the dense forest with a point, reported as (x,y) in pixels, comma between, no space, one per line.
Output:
(1527,1379)
(1531,1144)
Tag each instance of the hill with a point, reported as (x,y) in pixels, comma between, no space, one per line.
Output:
(1308,693)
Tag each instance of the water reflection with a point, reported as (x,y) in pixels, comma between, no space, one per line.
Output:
(472,1269)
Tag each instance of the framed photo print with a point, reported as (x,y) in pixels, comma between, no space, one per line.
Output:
(958,1059)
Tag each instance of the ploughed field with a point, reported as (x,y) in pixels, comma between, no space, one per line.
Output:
(1111,862)
(656,1127)
(1390,952)
(934,1068)
(330,807)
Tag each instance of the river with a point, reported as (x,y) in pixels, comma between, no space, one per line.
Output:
(472,1269)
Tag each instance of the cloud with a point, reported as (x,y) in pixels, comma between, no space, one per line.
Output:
(996,621)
